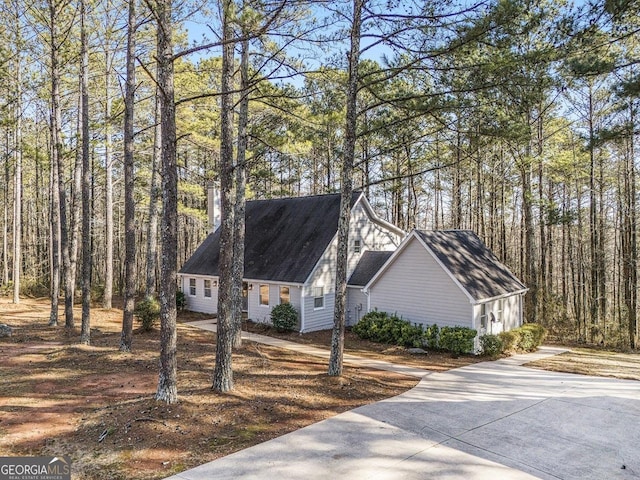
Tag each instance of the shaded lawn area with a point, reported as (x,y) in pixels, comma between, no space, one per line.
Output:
(96,404)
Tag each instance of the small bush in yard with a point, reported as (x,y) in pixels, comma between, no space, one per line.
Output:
(411,335)
(491,345)
(510,340)
(181,300)
(148,312)
(523,339)
(431,336)
(527,341)
(457,340)
(384,328)
(365,327)
(538,331)
(284,317)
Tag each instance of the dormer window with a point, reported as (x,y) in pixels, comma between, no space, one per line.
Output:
(357,247)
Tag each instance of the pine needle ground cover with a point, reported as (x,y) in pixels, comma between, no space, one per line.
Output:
(96,404)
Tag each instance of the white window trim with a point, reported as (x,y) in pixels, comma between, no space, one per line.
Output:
(315,296)
(195,287)
(280,293)
(357,246)
(484,315)
(204,291)
(260,295)
(499,314)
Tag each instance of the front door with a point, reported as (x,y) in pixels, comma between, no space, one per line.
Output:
(245,296)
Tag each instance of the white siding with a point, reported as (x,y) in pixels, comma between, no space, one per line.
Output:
(262,313)
(416,288)
(511,315)
(318,318)
(356,305)
(200,303)
(372,236)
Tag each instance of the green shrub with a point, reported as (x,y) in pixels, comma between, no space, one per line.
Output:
(526,338)
(491,345)
(410,335)
(538,331)
(527,342)
(457,340)
(384,328)
(148,312)
(368,325)
(510,340)
(181,300)
(431,337)
(284,317)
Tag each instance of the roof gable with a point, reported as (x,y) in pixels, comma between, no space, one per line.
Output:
(472,265)
(284,238)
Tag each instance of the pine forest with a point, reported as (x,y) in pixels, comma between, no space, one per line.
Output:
(516,119)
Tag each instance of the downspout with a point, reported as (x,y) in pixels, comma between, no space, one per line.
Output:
(302,308)
(366,294)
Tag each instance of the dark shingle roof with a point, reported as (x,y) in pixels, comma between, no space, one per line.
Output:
(472,264)
(367,267)
(284,238)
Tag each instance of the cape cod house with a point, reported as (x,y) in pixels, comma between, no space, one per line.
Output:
(290,254)
(442,277)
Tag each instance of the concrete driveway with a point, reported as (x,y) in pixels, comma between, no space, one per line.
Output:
(493,420)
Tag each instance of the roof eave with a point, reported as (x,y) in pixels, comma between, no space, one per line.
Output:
(498,297)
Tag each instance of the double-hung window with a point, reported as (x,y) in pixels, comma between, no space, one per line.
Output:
(483,315)
(318,297)
(207,288)
(264,295)
(192,287)
(285,295)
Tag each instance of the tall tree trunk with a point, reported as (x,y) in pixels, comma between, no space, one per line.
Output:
(5,221)
(66,273)
(108,166)
(56,146)
(593,223)
(631,276)
(531,276)
(457,179)
(152,228)
(57,158)
(240,200)
(223,372)
(346,191)
(168,375)
(17,189)
(129,201)
(76,198)
(85,332)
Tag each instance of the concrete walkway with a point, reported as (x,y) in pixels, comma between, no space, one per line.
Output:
(210,325)
(490,421)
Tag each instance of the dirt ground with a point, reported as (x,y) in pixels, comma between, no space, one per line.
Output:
(96,404)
